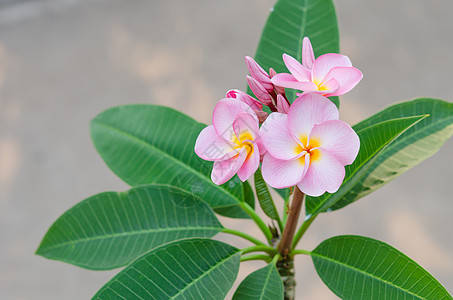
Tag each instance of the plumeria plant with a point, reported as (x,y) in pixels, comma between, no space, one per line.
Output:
(285,133)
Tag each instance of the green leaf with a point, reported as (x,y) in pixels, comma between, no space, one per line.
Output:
(111,229)
(373,140)
(356,267)
(262,284)
(185,269)
(264,197)
(288,23)
(153,144)
(412,147)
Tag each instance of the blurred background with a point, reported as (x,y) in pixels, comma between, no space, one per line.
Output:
(64,61)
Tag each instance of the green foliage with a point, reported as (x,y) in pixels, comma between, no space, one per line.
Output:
(111,229)
(185,269)
(289,22)
(264,197)
(412,147)
(153,144)
(373,140)
(263,284)
(356,267)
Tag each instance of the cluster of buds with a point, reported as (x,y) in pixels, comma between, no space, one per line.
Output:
(303,143)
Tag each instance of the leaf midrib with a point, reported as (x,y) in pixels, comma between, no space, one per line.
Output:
(131,233)
(206,273)
(170,157)
(364,273)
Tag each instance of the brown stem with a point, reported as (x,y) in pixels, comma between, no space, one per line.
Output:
(291,223)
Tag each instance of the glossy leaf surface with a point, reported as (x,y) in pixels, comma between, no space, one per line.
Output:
(111,229)
(185,269)
(263,284)
(356,267)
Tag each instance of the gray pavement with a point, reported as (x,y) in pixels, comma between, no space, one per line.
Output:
(64,61)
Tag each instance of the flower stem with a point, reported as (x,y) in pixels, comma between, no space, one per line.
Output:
(302,230)
(299,251)
(243,235)
(256,257)
(284,247)
(257,220)
(266,249)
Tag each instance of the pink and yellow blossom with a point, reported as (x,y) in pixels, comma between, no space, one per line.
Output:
(231,142)
(308,147)
(330,74)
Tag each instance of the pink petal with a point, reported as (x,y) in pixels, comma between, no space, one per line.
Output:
(300,72)
(306,111)
(246,123)
(346,77)
(325,173)
(260,92)
(327,62)
(277,138)
(283,173)
(223,170)
(258,73)
(289,81)
(210,146)
(245,98)
(339,139)
(282,104)
(250,165)
(225,112)
(308,57)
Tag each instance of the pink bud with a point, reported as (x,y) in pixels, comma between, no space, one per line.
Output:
(258,73)
(245,98)
(282,104)
(278,89)
(260,92)
(262,115)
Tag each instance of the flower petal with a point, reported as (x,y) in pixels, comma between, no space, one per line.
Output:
(223,170)
(325,173)
(246,124)
(299,72)
(250,165)
(346,77)
(245,98)
(225,112)
(339,139)
(283,173)
(308,57)
(306,111)
(325,63)
(289,81)
(277,138)
(210,146)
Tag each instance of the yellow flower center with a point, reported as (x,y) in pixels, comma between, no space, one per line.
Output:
(244,141)
(309,147)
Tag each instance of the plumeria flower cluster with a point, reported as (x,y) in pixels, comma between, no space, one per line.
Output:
(303,144)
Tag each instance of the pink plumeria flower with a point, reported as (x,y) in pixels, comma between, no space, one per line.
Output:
(250,101)
(231,141)
(330,74)
(308,147)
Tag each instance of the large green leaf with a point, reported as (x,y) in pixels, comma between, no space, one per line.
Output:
(373,140)
(262,284)
(153,144)
(185,269)
(288,23)
(356,267)
(412,147)
(111,229)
